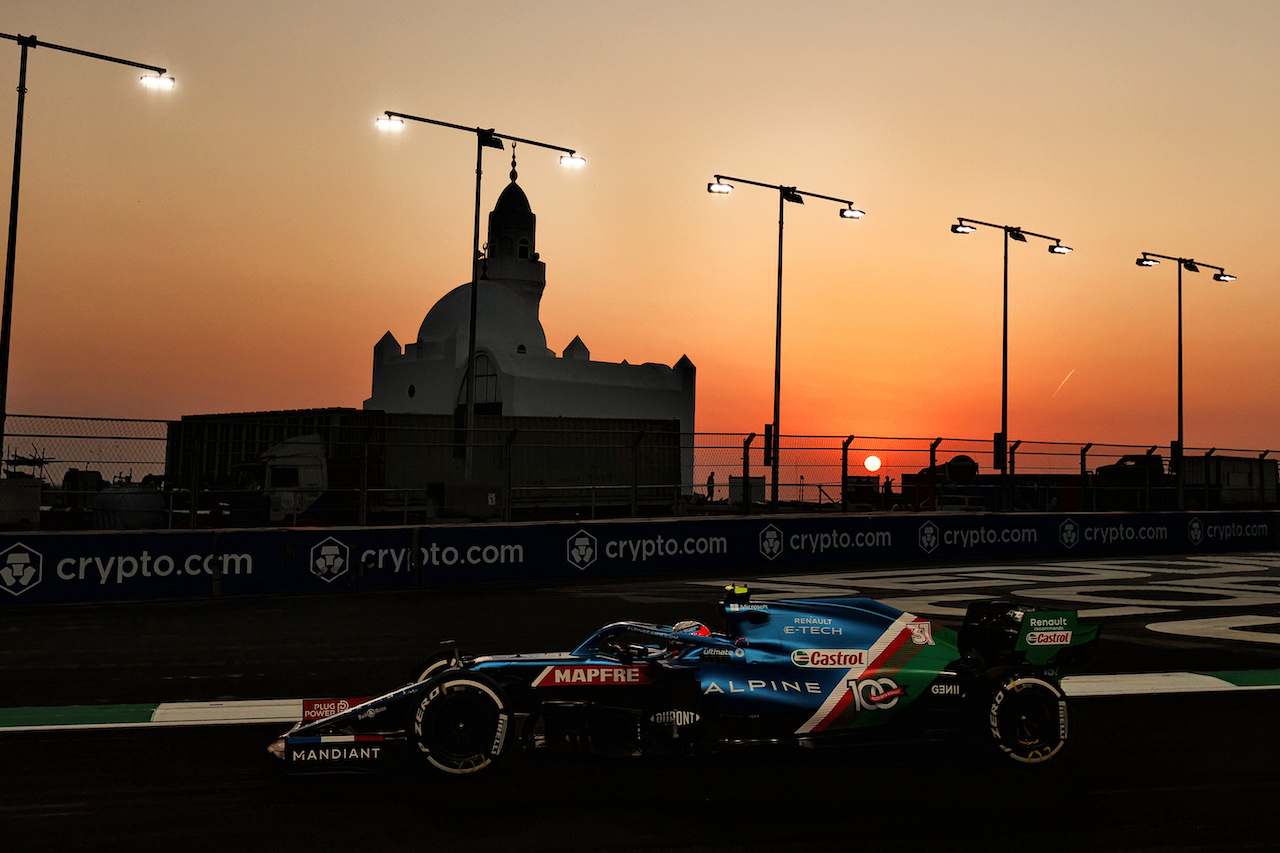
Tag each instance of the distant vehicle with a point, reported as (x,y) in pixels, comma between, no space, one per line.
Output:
(808,672)
(955,503)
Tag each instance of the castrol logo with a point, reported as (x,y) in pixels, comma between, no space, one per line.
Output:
(829,658)
(1049,638)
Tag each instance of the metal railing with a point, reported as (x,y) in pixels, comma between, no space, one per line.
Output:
(349,467)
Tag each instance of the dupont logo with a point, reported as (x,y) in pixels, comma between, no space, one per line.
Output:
(581,550)
(771,542)
(21,568)
(330,559)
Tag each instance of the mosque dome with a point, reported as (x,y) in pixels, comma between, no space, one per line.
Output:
(506,322)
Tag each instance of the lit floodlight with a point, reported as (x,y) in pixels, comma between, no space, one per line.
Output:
(573,161)
(1059,249)
(158,82)
(719,188)
(1015,234)
(1190,266)
(1223,277)
(961,228)
(852,212)
(389,123)
(1146,262)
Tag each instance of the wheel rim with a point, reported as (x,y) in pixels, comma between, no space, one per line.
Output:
(461,725)
(1028,720)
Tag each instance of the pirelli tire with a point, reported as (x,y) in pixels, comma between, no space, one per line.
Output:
(435,664)
(462,724)
(1027,719)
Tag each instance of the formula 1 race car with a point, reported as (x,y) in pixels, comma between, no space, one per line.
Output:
(798,671)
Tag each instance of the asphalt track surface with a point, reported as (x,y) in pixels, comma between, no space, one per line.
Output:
(1195,771)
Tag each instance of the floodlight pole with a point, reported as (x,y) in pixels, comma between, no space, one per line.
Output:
(6,322)
(964,226)
(785,194)
(1149,259)
(485,138)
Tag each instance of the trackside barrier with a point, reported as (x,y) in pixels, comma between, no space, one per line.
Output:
(59,568)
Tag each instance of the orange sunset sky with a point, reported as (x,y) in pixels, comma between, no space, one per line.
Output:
(241,243)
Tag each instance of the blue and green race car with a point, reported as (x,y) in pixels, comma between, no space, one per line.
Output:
(810,672)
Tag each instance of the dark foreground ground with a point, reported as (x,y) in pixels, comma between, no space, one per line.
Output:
(1157,773)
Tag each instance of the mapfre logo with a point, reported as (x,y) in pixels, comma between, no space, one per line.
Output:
(330,559)
(21,568)
(581,550)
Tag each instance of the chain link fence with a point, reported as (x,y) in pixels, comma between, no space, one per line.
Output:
(348,466)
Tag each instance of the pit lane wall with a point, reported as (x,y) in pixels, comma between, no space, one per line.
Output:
(59,568)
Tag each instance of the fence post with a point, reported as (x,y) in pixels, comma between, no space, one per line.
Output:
(933,471)
(746,474)
(844,473)
(1084,477)
(1207,492)
(506,514)
(635,474)
(1146,482)
(364,482)
(1013,472)
(1262,481)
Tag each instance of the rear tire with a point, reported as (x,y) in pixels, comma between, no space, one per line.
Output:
(462,723)
(1027,719)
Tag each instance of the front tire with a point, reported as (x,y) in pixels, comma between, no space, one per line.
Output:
(1027,719)
(462,723)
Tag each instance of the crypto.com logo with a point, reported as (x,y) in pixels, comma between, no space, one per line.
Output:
(330,559)
(929,537)
(1068,533)
(771,542)
(581,550)
(20,568)
(1195,531)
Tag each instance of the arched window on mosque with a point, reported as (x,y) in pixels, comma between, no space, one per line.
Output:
(488,399)
(524,249)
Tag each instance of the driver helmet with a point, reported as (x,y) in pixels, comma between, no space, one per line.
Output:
(676,647)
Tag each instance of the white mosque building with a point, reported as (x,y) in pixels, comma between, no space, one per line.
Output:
(516,374)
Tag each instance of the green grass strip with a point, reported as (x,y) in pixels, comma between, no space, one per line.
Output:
(1249,677)
(76,715)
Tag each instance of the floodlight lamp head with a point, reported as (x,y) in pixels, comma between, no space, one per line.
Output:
(158,81)
(489,140)
(1059,249)
(1222,276)
(1016,234)
(389,123)
(790,194)
(961,228)
(572,160)
(719,187)
(1190,266)
(1144,261)
(852,212)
